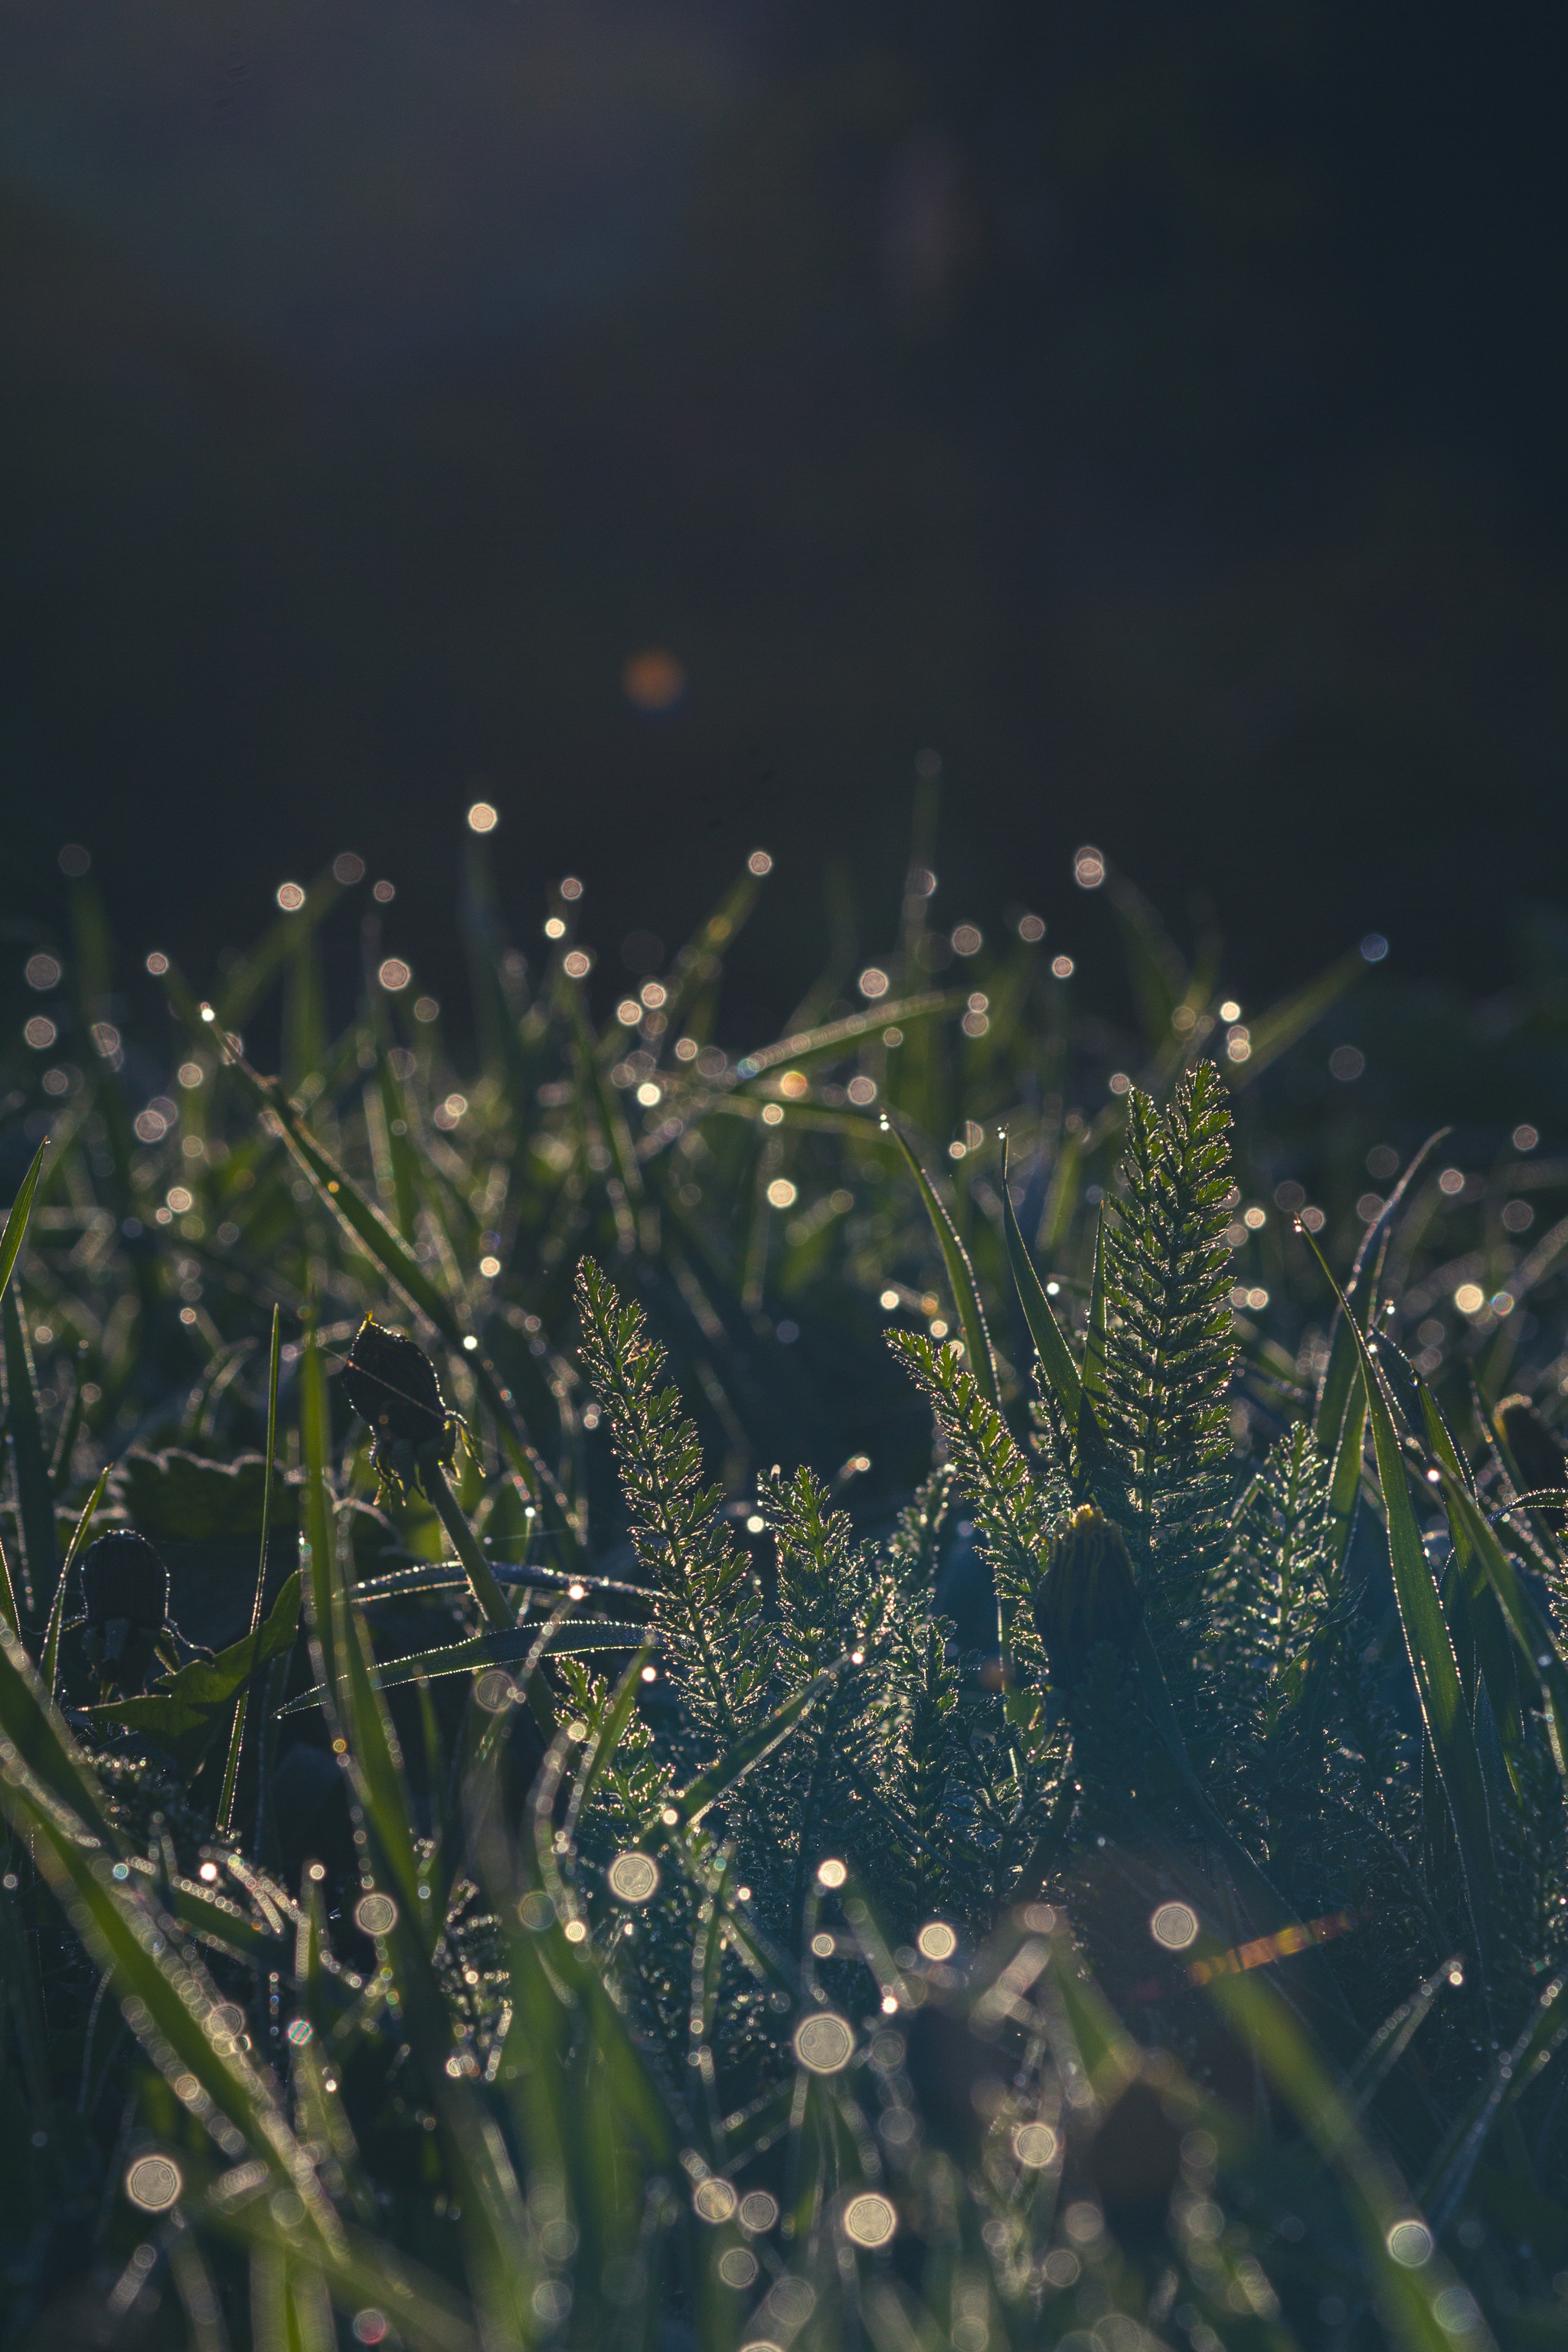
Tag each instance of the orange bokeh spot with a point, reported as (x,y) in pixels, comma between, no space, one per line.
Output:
(654,680)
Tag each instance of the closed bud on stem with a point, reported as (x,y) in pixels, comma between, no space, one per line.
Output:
(1086,1596)
(125,1587)
(392,1386)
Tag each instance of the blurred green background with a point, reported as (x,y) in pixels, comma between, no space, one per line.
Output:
(1156,411)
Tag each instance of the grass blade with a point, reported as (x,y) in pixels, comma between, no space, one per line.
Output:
(733,1767)
(960,1277)
(835,1035)
(495,1649)
(1051,1347)
(16,1227)
(367,1225)
(242,1705)
(35,1493)
(1431,1662)
(52,1638)
(1406,2297)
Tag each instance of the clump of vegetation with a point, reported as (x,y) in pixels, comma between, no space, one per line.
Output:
(563,1791)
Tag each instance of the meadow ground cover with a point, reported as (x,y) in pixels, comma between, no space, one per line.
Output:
(899,1686)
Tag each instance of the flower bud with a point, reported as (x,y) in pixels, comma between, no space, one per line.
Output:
(391,1385)
(124,1577)
(1086,1596)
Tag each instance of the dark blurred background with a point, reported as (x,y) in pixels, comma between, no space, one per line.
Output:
(1156,410)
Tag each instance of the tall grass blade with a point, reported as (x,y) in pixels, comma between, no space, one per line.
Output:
(35,1490)
(243,1703)
(51,1659)
(960,1275)
(1431,1652)
(16,1227)
(501,1648)
(1056,1357)
(1407,2295)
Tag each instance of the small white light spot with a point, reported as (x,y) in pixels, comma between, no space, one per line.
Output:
(831,1872)
(291,897)
(634,1878)
(1175,1926)
(937,1940)
(1410,2244)
(153,2182)
(1034,2144)
(375,1915)
(869,2220)
(824,2042)
(483,817)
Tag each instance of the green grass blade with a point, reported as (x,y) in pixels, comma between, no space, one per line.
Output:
(366,1224)
(1540,1654)
(251,978)
(960,1277)
(500,1648)
(242,1705)
(1344,1483)
(1094,1338)
(16,1227)
(1051,1347)
(1408,2298)
(1431,1652)
(1516,2069)
(51,1662)
(835,1035)
(1475,1601)
(34,1492)
(733,1767)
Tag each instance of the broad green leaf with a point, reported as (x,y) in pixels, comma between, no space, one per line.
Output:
(186,1713)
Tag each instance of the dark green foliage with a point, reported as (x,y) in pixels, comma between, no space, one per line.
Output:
(926,1741)
(1169,1351)
(708,1602)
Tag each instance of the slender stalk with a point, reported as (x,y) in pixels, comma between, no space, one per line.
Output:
(498,1610)
(50,1668)
(242,1703)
